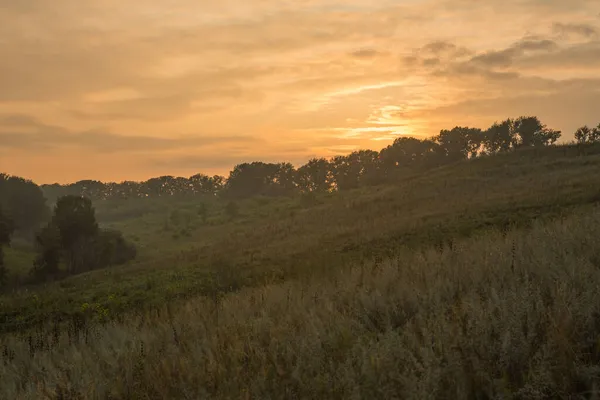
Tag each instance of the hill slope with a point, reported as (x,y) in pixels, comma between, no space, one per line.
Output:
(499,316)
(278,239)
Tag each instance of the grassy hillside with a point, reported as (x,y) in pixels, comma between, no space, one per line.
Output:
(273,240)
(512,316)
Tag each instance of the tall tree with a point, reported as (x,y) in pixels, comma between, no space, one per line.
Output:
(527,128)
(315,176)
(370,171)
(532,132)
(48,244)
(587,135)
(75,219)
(500,137)
(24,202)
(346,172)
(6,231)
(204,184)
(460,142)
(284,182)
(73,236)
(595,135)
(259,178)
(582,135)
(409,152)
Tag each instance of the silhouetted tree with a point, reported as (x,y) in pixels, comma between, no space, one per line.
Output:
(587,135)
(6,230)
(346,172)
(87,188)
(409,153)
(259,178)
(315,176)
(595,135)
(24,202)
(369,163)
(75,219)
(201,184)
(48,243)
(583,134)
(499,137)
(109,247)
(284,183)
(527,128)
(73,236)
(532,132)
(459,143)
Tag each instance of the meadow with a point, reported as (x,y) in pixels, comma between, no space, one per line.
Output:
(504,315)
(473,280)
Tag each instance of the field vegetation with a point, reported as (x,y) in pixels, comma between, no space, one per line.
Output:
(466,265)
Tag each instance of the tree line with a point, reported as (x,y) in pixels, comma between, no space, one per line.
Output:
(360,168)
(27,203)
(69,235)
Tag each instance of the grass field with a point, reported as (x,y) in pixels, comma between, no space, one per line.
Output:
(512,315)
(273,240)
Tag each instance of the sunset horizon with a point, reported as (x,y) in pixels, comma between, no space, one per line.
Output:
(113,92)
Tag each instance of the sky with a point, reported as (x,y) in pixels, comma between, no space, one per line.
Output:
(122,90)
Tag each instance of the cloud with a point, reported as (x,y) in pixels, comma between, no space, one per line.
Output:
(505,57)
(585,30)
(216,81)
(39,136)
(365,53)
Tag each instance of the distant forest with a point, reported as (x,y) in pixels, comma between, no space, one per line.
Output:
(360,168)
(71,235)
(27,204)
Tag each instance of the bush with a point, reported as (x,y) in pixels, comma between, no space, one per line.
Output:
(73,236)
(113,248)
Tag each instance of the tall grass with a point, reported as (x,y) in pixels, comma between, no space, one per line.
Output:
(505,315)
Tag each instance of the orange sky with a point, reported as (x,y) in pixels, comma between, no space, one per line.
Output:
(115,90)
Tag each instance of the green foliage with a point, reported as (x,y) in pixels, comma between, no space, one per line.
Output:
(73,235)
(506,314)
(260,179)
(315,176)
(586,135)
(499,137)
(409,153)
(360,168)
(49,249)
(532,132)
(111,248)
(282,239)
(6,230)
(460,143)
(75,219)
(23,201)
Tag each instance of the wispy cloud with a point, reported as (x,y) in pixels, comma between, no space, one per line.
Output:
(27,133)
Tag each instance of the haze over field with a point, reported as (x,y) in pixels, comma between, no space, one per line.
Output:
(113,90)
